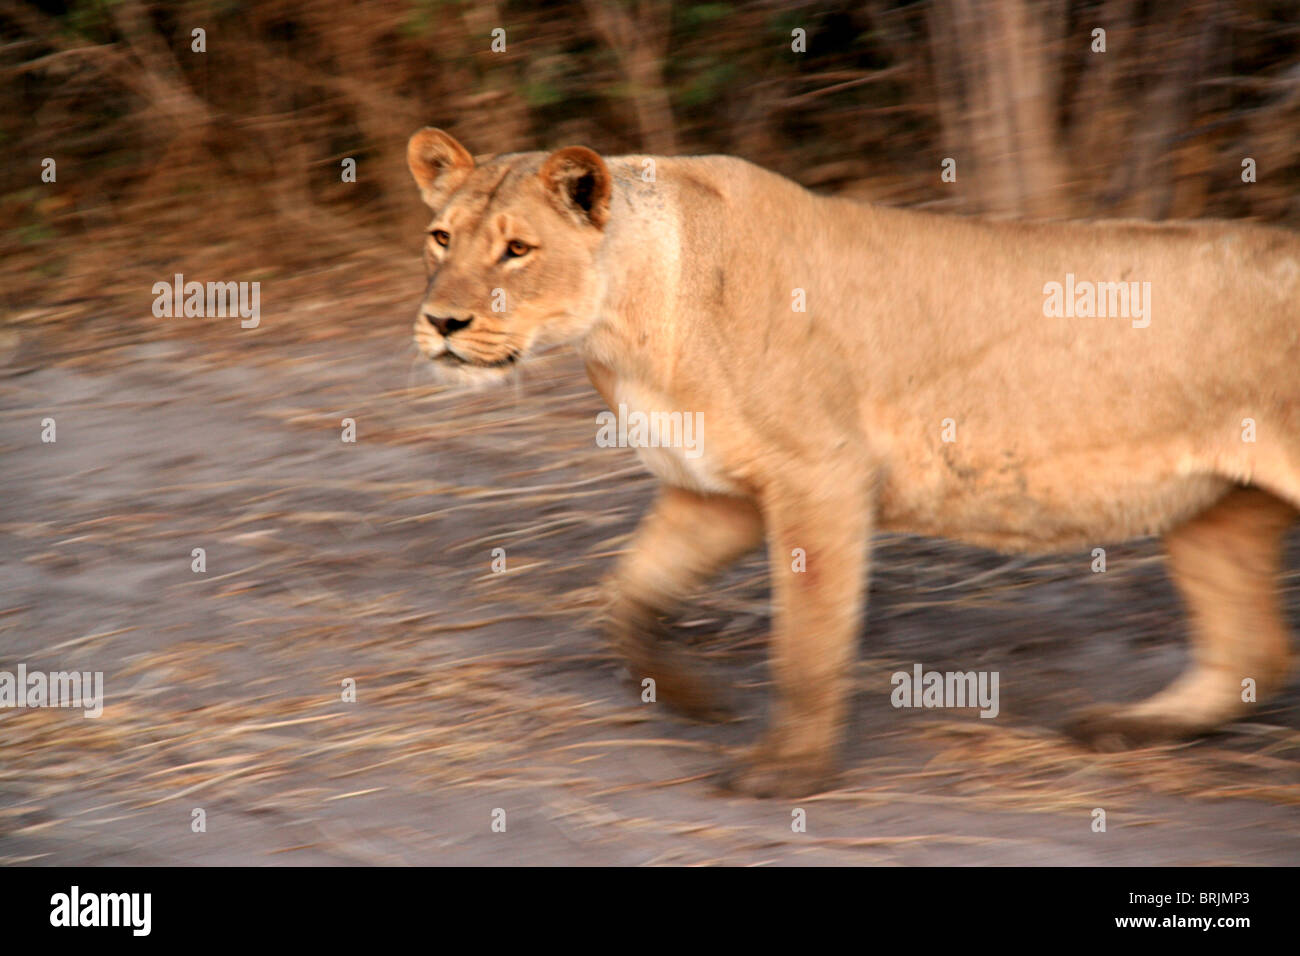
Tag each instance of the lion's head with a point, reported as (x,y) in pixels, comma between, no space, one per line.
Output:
(510,253)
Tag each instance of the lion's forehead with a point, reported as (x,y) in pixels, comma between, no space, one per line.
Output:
(492,187)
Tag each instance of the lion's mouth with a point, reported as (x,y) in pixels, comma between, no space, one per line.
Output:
(448,357)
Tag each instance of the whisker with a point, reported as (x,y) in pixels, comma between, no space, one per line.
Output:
(410,369)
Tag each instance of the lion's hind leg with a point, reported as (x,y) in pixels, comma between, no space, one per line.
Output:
(1225,562)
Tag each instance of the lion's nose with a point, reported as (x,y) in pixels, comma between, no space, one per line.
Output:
(445,324)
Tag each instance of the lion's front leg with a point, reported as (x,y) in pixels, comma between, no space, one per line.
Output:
(819,541)
(683,540)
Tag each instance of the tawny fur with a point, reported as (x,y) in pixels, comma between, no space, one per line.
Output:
(823,426)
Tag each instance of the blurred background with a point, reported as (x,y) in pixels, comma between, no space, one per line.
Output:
(234,154)
(372,561)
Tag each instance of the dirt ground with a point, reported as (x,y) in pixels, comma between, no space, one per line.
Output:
(480,691)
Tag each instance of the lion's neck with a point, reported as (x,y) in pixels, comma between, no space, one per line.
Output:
(638,322)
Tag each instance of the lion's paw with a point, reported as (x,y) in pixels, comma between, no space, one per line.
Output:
(767,773)
(1110,728)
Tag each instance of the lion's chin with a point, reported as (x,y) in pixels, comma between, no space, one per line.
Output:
(451,370)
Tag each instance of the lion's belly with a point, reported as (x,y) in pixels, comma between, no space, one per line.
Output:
(1049,507)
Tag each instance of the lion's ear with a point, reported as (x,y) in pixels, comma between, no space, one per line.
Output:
(579,181)
(438,163)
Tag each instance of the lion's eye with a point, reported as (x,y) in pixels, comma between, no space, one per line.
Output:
(441,237)
(515,248)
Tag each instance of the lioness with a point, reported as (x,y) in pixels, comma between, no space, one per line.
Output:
(932,382)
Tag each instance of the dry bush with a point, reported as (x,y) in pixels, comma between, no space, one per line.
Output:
(171,160)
